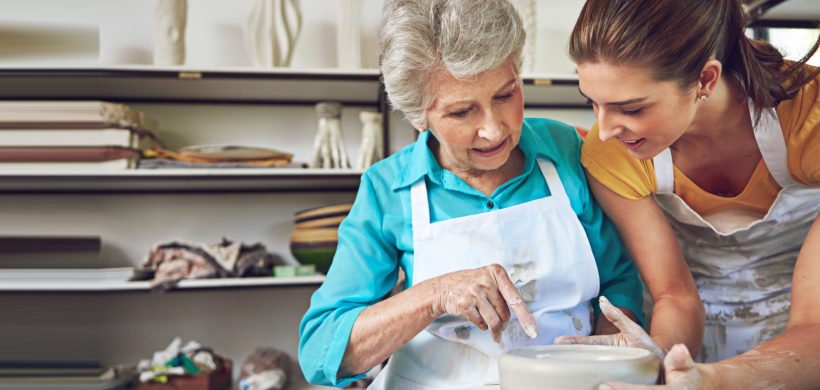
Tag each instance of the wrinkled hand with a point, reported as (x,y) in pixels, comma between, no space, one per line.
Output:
(681,373)
(484,296)
(631,335)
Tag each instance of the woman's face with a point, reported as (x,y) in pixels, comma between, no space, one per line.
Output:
(646,116)
(476,121)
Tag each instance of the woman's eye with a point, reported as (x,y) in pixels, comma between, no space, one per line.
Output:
(460,113)
(504,97)
(632,112)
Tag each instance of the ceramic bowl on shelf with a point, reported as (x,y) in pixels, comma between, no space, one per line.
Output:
(576,367)
(316,234)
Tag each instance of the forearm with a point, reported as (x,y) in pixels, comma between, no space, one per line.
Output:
(383,328)
(788,361)
(678,320)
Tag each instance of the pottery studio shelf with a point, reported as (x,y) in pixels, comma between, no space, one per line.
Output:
(237,85)
(62,284)
(182,181)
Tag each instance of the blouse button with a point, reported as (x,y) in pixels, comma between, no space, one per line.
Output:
(490,204)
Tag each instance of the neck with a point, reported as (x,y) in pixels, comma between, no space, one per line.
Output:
(724,114)
(484,181)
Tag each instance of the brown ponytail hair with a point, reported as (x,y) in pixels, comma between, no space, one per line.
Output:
(675,38)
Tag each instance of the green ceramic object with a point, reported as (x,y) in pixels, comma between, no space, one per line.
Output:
(321,257)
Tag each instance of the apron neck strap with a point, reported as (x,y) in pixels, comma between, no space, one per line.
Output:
(420,207)
(664,172)
(772,145)
(553,181)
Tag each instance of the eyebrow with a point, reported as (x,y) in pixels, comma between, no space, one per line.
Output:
(506,85)
(620,103)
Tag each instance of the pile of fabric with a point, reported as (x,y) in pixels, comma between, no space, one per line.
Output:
(169,262)
(178,363)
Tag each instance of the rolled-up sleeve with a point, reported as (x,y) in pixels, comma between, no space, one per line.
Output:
(364,270)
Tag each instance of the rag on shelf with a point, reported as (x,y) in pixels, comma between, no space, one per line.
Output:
(169,262)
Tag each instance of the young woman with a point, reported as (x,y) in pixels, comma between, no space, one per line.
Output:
(706,155)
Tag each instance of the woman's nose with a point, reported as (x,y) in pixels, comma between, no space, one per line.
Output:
(607,128)
(491,129)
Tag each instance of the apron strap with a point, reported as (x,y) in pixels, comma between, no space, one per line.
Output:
(553,181)
(664,171)
(420,208)
(772,145)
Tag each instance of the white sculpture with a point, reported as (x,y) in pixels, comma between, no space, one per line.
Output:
(371,149)
(169,31)
(328,146)
(348,35)
(271,31)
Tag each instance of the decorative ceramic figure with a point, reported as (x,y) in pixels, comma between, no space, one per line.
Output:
(328,146)
(527,10)
(271,31)
(169,31)
(370,150)
(349,35)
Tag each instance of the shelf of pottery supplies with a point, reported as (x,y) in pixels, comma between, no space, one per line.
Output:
(72,280)
(182,181)
(137,83)
(141,83)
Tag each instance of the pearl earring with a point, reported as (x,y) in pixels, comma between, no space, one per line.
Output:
(703,97)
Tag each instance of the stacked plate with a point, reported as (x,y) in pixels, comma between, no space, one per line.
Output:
(316,234)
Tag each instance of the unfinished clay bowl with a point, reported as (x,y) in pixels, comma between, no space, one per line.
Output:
(575,367)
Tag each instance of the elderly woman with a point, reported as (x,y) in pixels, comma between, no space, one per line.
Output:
(488,215)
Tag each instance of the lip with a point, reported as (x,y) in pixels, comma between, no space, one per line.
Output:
(492,152)
(635,145)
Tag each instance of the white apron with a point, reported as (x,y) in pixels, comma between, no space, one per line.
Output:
(741,263)
(543,247)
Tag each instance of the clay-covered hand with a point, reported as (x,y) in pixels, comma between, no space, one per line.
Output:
(484,296)
(631,334)
(681,373)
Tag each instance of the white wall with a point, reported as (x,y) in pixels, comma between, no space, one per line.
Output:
(214,30)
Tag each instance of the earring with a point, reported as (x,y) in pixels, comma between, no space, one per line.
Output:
(703,97)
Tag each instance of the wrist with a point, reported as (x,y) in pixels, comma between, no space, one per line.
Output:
(433,298)
(710,376)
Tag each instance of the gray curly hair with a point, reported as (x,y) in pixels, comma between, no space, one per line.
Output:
(462,37)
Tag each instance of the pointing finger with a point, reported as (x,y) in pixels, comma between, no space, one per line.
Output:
(515,302)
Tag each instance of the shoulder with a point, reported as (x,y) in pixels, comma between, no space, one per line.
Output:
(384,173)
(613,166)
(800,121)
(555,134)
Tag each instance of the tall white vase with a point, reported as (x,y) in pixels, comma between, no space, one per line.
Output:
(527,9)
(169,31)
(272,30)
(349,34)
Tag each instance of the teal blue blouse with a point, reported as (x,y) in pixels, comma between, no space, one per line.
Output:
(376,238)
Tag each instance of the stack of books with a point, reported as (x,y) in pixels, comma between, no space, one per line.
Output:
(46,136)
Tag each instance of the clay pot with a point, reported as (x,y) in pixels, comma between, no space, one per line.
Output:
(575,367)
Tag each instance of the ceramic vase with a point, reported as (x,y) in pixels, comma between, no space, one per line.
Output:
(328,145)
(169,31)
(348,35)
(271,31)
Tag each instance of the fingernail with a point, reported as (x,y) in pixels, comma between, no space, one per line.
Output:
(603,301)
(605,387)
(531,331)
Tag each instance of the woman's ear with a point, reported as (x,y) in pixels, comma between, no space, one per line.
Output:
(709,77)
